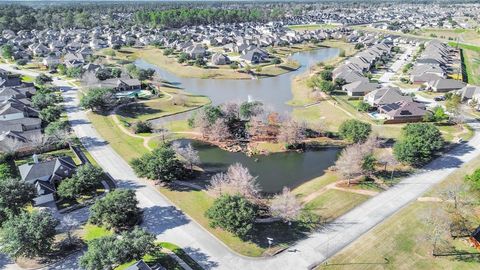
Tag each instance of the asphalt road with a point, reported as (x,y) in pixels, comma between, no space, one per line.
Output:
(170,224)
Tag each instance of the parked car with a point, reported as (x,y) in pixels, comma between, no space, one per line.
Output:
(439,98)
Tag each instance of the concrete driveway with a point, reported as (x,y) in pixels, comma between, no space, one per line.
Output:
(386,77)
(170,224)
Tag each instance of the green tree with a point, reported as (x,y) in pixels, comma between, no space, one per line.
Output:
(86,178)
(44,100)
(7,52)
(250,109)
(42,79)
(161,164)
(28,234)
(326,86)
(354,130)
(97,99)
(474,180)
(5,171)
(74,72)
(232,213)
(109,251)
(418,143)
(326,75)
(118,210)
(14,196)
(50,114)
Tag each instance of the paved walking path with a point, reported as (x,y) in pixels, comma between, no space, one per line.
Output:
(170,224)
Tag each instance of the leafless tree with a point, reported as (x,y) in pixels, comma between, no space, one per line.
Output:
(388,159)
(350,162)
(286,206)
(188,153)
(201,123)
(39,141)
(438,223)
(455,192)
(59,137)
(237,180)
(179,100)
(292,132)
(69,224)
(319,127)
(219,131)
(163,133)
(231,110)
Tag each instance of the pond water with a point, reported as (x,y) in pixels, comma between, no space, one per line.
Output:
(273,92)
(274,171)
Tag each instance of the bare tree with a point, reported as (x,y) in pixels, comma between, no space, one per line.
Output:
(237,180)
(163,133)
(438,223)
(219,131)
(188,153)
(179,100)
(388,159)
(350,162)
(231,110)
(201,122)
(69,224)
(286,206)
(292,132)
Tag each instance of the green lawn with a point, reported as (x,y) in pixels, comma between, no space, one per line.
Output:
(91,232)
(195,203)
(47,155)
(399,243)
(334,203)
(126,146)
(157,257)
(315,184)
(160,107)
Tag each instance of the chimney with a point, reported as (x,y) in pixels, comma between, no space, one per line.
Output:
(35,158)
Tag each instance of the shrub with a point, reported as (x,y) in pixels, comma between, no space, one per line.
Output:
(233,213)
(355,131)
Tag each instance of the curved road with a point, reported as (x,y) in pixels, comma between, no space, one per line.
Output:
(170,224)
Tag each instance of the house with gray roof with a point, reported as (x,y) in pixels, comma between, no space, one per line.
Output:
(445,85)
(384,96)
(403,111)
(46,176)
(360,88)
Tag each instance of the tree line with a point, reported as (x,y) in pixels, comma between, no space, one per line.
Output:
(184,16)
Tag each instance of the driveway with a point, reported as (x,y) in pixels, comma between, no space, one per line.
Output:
(385,79)
(170,224)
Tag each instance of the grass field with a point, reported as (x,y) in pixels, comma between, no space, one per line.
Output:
(91,232)
(155,56)
(126,146)
(334,203)
(311,27)
(398,243)
(194,203)
(402,238)
(472,65)
(156,108)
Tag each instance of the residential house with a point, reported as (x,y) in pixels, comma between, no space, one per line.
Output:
(46,176)
(385,95)
(121,84)
(445,85)
(360,88)
(220,59)
(403,111)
